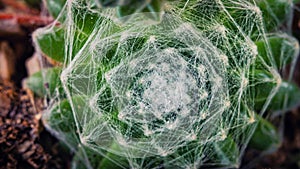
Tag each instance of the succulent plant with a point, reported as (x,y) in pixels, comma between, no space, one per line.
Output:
(182,90)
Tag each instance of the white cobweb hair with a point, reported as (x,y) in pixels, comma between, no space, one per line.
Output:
(174,93)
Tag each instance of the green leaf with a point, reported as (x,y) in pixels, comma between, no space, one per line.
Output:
(282,47)
(227,151)
(265,136)
(55,7)
(113,161)
(61,119)
(86,157)
(153,10)
(275,12)
(51,43)
(44,82)
(85,20)
(124,11)
(112,3)
(85,23)
(287,96)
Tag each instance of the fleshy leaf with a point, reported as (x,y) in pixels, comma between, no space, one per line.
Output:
(52,43)
(44,82)
(275,12)
(283,48)
(265,136)
(286,97)
(55,7)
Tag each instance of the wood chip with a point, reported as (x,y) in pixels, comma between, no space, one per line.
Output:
(7,61)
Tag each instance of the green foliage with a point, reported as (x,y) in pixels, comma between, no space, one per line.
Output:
(275,12)
(227,151)
(61,119)
(265,136)
(286,97)
(151,9)
(284,49)
(52,44)
(45,82)
(55,7)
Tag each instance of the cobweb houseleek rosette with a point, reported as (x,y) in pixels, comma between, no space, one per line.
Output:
(192,103)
